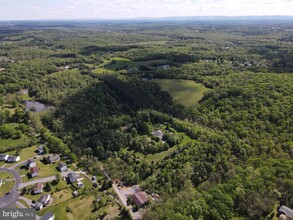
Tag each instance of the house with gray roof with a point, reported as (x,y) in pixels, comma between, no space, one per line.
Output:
(72,178)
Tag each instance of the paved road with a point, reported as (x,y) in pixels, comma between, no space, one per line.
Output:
(42,180)
(12,197)
(121,198)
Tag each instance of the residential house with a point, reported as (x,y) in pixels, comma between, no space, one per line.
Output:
(39,206)
(53,158)
(80,184)
(46,199)
(140,199)
(38,188)
(75,193)
(48,216)
(34,171)
(163,67)
(40,149)
(1,182)
(30,163)
(12,159)
(158,134)
(72,178)
(62,167)
(285,213)
(3,157)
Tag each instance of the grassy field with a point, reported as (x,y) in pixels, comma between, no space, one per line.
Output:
(7,107)
(160,156)
(45,171)
(5,175)
(6,185)
(61,192)
(108,67)
(81,209)
(185,92)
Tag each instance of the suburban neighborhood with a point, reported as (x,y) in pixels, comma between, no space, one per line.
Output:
(43,181)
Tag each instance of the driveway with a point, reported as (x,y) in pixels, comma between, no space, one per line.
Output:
(42,180)
(23,162)
(12,197)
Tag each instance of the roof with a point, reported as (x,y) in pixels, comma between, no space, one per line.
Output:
(72,177)
(12,157)
(287,211)
(140,198)
(29,161)
(61,164)
(38,186)
(38,205)
(3,156)
(158,133)
(34,169)
(47,216)
(44,198)
(54,158)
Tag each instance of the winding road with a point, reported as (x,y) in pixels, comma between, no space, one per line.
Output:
(13,196)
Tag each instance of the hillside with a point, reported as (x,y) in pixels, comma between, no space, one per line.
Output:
(200,114)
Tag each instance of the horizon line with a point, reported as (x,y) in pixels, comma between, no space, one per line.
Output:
(151,18)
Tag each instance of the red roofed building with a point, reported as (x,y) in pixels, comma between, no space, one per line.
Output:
(34,171)
(140,199)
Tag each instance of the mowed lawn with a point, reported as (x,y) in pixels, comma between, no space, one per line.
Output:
(185,92)
(25,154)
(8,183)
(108,67)
(81,208)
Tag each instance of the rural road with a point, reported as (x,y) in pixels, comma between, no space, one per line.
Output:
(12,197)
(42,180)
(123,202)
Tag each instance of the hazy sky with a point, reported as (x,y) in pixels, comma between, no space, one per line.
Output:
(75,9)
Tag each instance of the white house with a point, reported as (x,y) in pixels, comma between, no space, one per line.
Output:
(3,157)
(30,163)
(12,159)
(39,206)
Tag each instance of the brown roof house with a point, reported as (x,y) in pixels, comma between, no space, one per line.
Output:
(34,171)
(38,188)
(140,199)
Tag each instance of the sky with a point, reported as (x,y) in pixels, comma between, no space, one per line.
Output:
(113,9)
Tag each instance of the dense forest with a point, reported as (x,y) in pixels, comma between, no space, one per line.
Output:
(228,156)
